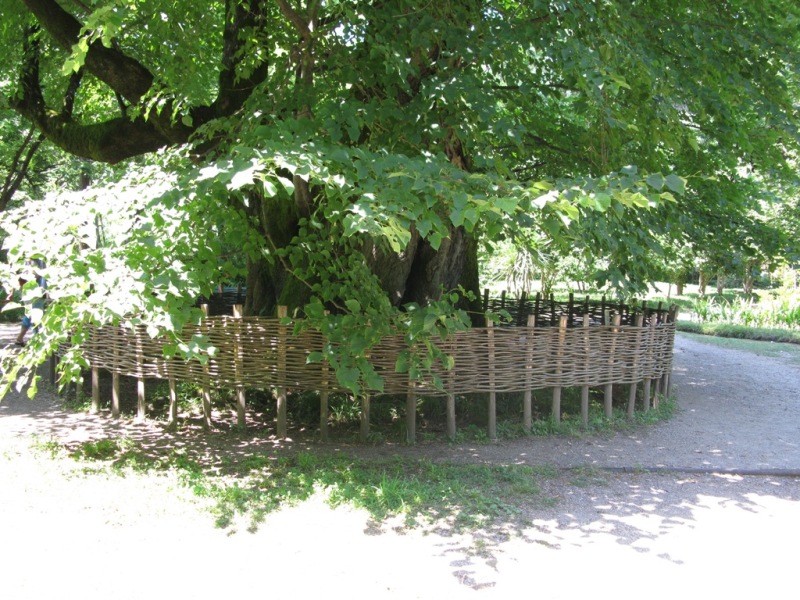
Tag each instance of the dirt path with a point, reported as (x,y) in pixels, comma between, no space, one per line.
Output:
(629,534)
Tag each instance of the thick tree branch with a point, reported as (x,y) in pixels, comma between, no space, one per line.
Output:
(233,91)
(120,72)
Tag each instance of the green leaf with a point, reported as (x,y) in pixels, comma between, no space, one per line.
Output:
(676,184)
(656,180)
(353,305)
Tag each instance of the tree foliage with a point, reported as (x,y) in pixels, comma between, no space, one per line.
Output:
(358,152)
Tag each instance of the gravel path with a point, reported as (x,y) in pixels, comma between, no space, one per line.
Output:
(706,524)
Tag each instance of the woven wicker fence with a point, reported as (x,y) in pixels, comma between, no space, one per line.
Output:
(256,352)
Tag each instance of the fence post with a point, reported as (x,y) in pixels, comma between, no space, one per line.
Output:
(115,374)
(206,380)
(649,361)
(527,413)
(141,408)
(570,308)
(587,365)
(323,395)
(411,414)
(492,393)
(562,335)
(238,365)
(451,398)
(95,389)
(608,396)
(364,432)
(521,308)
(634,384)
(173,402)
(283,312)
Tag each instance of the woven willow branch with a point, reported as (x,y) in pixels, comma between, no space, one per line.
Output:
(256,352)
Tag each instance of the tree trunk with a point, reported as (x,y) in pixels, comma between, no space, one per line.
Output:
(748,282)
(417,274)
(720,282)
(703,283)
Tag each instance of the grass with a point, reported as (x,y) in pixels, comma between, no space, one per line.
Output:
(242,491)
(417,491)
(772,349)
(727,330)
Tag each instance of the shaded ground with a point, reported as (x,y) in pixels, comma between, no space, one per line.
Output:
(656,534)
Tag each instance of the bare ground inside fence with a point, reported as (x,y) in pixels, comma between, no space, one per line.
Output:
(704,520)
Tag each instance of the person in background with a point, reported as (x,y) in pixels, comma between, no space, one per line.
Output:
(34,271)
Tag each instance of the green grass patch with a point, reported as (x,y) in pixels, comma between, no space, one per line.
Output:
(785,351)
(727,330)
(418,491)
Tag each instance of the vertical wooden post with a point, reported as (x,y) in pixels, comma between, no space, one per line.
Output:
(364,432)
(527,412)
(562,335)
(283,312)
(323,397)
(492,393)
(608,395)
(570,308)
(141,408)
(502,299)
(95,389)
(238,358)
(115,374)
(173,401)
(649,361)
(486,300)
(521,309)
(451,398)
(411,414)
(587,365)
(536,306)
(632,390)
(552,310)
(206,381)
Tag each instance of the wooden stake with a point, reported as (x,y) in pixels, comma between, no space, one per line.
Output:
(115,376)
(608,403)
(632,390)
(141,408)
(95,389)
(173,402)
(650,341)
(206,381)
(283,312)
(492,383)
(364,433)
(587,362)
(411,415)
(527,412)
(562,335)
(323,395)
(451,401)
(238,358)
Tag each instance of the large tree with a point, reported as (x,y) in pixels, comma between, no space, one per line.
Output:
(363,147)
